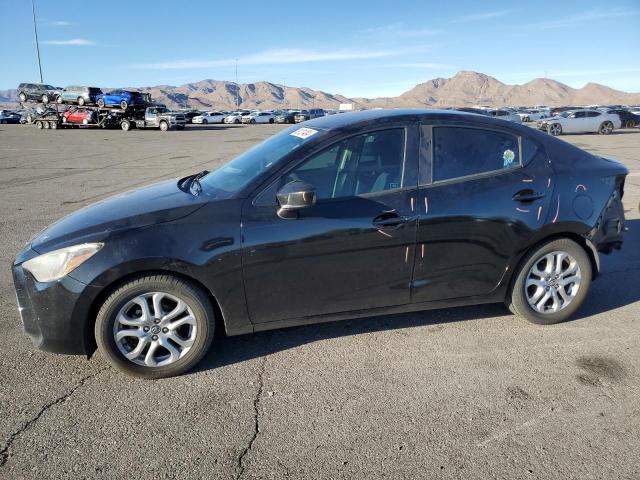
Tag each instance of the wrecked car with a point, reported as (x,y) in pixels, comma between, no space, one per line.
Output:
(346,216)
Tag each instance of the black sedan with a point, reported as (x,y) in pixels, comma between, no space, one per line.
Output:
(627,119)
(287,117)
(347,216)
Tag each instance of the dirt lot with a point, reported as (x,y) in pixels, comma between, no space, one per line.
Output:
(460,393)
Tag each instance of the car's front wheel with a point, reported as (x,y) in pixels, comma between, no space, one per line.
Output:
(552,282)
(101,103)
(124,104)
(155,326)
(555,129)
(164,126)
(22,97)
(204,122)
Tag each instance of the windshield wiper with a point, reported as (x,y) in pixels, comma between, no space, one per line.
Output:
(194,185)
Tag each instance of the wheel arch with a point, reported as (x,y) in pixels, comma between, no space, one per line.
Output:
(588,247)
(89,335)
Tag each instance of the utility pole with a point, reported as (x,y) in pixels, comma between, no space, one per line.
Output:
(35,30)
(237,88)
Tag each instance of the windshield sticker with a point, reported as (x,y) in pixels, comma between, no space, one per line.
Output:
(304,133)
(508,157)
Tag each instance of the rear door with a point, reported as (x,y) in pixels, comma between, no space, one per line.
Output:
(354,248)
(483,194)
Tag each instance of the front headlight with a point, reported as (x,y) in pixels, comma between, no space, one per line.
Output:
(54,265)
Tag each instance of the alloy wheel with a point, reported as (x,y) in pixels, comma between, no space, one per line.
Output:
(155,329)
(552,282)
(555,129)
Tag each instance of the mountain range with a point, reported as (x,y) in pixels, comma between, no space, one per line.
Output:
(463,89)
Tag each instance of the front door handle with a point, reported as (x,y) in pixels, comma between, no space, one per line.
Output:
(527,195)
(390,219)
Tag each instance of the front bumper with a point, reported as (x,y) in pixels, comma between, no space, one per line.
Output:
(54,314)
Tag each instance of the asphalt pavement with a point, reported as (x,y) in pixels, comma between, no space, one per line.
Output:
(469,392)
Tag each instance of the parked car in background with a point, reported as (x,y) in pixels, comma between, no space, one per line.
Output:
(79,116)
(478,111)
(155,116)
(79,95)
(580,121)
(333,216)
(9,116)
(259,117)
(558,110)
(38,91)
(305,115)
(287,116)
(209,117)
(531,115)
(121,98)
(236,117)
(504,114)
(189,115)
(628,119)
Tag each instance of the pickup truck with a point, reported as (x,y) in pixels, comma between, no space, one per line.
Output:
(155,117)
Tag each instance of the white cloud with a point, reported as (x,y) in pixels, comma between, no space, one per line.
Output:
(73,42)
(275,57)
(477,17)
(399,30)
(590,16)
(60,23)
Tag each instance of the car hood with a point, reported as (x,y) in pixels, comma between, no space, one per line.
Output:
(158,203)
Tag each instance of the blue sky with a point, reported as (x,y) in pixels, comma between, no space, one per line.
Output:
(355,48)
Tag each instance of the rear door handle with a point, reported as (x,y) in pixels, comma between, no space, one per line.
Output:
(391,220)
(527,195)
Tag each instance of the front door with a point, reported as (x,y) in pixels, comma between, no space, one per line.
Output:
(483,195)
(354,248)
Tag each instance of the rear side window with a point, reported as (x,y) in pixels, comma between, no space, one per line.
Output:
(460,152)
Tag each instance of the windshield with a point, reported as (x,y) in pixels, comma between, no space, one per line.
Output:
(235,175)
(565,114)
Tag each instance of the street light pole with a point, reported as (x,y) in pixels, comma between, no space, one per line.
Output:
(237,88)
(35,30)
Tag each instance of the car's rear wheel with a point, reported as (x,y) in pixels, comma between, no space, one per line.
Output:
(125,125)
(551,283)
(555,129)
(124,104)
(236,121)
(252,121)
(101,103)
(164,126)
(45,98)
(631,124)
(22,96)
(605,128)
(81,101)
(155,326)
(271,120)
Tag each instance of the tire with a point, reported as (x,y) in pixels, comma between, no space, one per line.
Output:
(45,98)
(236,121)
(125,125)
(522,293)
(631,124)
(164,126)
(271,120)
(39,124)
(124,104)
(22,96)
(143,289)
(54,125)
(526,119)
(101,103)
(81,101)
(204,122)
(59,99)
(605,128)
(252,121)
(46,125)
(29,119)
(555,129)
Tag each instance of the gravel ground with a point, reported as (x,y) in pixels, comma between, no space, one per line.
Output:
(468,392)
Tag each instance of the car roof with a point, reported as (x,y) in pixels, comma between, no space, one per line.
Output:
(354,118)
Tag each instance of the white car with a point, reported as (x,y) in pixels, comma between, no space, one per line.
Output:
(505,114)
(235,117)
(581,121)
(209,117)
(259,117)
(532,115)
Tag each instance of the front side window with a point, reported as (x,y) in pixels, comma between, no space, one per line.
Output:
(359,165)
(460,152)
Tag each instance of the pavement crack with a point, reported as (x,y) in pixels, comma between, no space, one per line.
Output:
(5,452)
(256,419)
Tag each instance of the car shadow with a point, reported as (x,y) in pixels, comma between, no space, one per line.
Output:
(605,295)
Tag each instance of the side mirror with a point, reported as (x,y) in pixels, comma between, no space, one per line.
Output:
(294,196)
